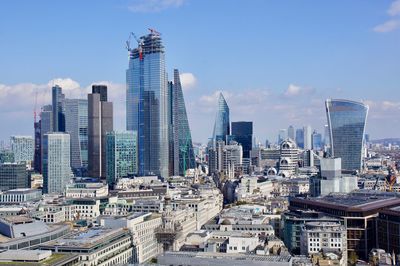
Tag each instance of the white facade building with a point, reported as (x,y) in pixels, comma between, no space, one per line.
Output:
(23,148)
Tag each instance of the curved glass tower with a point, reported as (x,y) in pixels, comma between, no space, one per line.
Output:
(147,104)
(346,121)
(221,127)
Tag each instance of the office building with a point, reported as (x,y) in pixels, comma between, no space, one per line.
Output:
(13,176)
(243,134)
(46,126)
(147,104)
(282,135)
(289,157)
(6,156)
(346,120)
(358,211)
(300,138)
(56,162)
(222,124)
(37,162)
(121,155)
(316,141)
(23,148)
(291,133)
(76,124)
(388,225)
(100,121)
(182,147)
(58,109)
(326,135)
(307,137)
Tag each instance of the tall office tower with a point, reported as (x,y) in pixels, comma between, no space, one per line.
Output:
(121,156)
(56,162)
(23,148)
(46,126)
(282,135)
(307,137)
(58,99)
(13,176)
(37,162)
(222,125)
(291,133)
(183,155)
(147,104)
(346,120)
(76,124)
(326,135)
(100,121)
(243,134)
(316,141)
(300,138)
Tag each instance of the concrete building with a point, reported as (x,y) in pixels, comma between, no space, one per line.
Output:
(86,190)
(96,246)
(21,195)
(253,187)
(357,210)
(100,121)
(142,227)
(13,176)
(307,137)
(56,162)
(319,237)
(289,156)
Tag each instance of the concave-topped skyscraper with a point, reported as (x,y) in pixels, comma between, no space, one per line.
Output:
(183,154)
(222,125)
(147,104)
(346,121)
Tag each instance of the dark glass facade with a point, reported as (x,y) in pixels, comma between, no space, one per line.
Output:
(243,133)
(346,121)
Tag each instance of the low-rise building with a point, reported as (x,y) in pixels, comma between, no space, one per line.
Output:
(20,195)
(96,246)
(86,190)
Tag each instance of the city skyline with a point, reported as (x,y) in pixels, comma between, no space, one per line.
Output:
(287,83)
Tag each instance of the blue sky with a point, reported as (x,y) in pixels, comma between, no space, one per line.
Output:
(275,61)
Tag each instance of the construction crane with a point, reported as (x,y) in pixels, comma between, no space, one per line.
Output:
(154,32)
(139,42)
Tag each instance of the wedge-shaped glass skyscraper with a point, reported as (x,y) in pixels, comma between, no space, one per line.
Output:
(222,125)
(346,121)
(147,104)
(183,155)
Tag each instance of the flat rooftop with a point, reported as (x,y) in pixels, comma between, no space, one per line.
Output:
(215,255)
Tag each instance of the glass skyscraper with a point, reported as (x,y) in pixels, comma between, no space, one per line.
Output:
(76,124)
(243,133)
(56,162)
(121,155)
(147,104)
(58,99)
(346,121)
(183,155)
(222,124)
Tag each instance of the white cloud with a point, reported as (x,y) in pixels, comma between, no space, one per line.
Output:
(394,8)
(154,6)
(388,26)
(188,80)
(292,90)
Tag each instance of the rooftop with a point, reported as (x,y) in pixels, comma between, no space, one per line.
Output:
(241,257)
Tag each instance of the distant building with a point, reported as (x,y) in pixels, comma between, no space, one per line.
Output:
(316,141)
(291,133)
(282,135)
(243,133)
(222,124)
(226,159)
(76,124)
(100,121)
(13,176)
(58,109)
(300,138)
(21,195)
(307,137)
(23,148)
(56,162)
(121,155)
(46,126)
(347,120)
